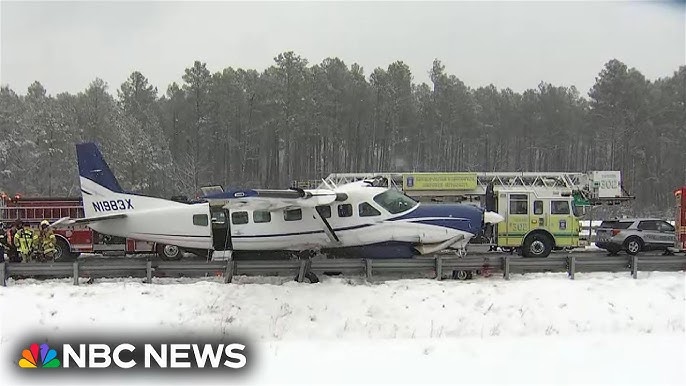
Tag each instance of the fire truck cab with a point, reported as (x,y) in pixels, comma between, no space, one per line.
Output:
(73,240)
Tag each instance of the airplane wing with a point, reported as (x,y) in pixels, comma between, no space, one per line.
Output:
(267,199)
(272,200)
(72,221)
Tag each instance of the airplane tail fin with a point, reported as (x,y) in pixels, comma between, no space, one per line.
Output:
(101,192)
(103,197)
(92,166)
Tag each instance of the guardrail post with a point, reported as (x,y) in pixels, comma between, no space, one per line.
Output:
(634,266)
(148,271)
(572,266)
(368,268)
(3,277)
(228,274)
(76,273)
(506,270)
(439,268)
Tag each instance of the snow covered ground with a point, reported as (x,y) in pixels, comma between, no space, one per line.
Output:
(536,328)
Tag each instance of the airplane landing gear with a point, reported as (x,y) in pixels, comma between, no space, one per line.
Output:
(306,268)
(462,275)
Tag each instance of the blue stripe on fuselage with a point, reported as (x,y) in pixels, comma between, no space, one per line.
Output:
(463,217)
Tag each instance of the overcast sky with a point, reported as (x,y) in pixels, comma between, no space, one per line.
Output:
(509,44)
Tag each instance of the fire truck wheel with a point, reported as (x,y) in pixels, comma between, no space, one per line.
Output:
(169,252)
(537,245)
(63,251)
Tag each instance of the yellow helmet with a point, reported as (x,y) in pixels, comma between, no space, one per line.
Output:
(44,223)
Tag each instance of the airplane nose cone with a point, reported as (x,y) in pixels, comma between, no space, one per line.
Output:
(493,217)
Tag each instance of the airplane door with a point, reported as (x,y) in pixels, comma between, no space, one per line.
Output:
(221,230)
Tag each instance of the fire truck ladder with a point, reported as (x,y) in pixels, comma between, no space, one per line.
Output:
(550,180)
(572,182)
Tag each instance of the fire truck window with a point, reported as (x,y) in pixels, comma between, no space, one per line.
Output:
(200,219)
(345,210)
(559,207)
(538,207)
(324,211)
(239,217)
(519,204)
(259,216)
(293,215)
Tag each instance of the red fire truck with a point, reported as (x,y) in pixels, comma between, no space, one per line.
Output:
(76,239)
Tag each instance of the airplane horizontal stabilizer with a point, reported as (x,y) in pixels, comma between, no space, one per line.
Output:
(73,221)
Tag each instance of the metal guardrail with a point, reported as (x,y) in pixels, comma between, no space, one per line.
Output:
(438,266)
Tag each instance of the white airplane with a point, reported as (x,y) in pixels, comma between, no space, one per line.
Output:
(351,220)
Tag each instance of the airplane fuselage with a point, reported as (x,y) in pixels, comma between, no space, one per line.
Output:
(369,220)
(360,220)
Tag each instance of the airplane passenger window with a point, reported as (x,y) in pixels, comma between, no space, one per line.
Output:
(200,219)
(239,217)
(345,210)
(559,207)
(394,201)
(324,211)
(366,210)
(293,214)
(519,204)
(259,216)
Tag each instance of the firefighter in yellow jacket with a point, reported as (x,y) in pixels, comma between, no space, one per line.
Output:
(24,240)
(45,242)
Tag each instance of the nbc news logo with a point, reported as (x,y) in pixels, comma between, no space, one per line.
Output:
(30,359)
(132,356)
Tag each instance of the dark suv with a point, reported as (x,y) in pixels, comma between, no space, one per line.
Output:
(635,235)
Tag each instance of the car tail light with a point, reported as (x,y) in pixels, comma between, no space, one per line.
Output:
(615,232)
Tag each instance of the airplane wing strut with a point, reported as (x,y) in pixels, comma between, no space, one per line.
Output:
(327,227)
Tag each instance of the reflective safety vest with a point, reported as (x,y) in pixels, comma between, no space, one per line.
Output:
(23,240)
(45,241)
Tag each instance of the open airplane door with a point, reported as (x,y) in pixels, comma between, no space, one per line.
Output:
(220,223)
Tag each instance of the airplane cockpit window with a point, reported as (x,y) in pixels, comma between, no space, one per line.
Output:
(345,210)
(259,216)
(239,217)
(293,214)
(394,201)
(366,210)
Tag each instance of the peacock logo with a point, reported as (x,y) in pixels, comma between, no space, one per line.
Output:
(30,360)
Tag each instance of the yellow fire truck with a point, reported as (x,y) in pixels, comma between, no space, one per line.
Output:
(541,209)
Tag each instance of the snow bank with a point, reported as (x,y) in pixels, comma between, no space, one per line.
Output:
(533,328)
